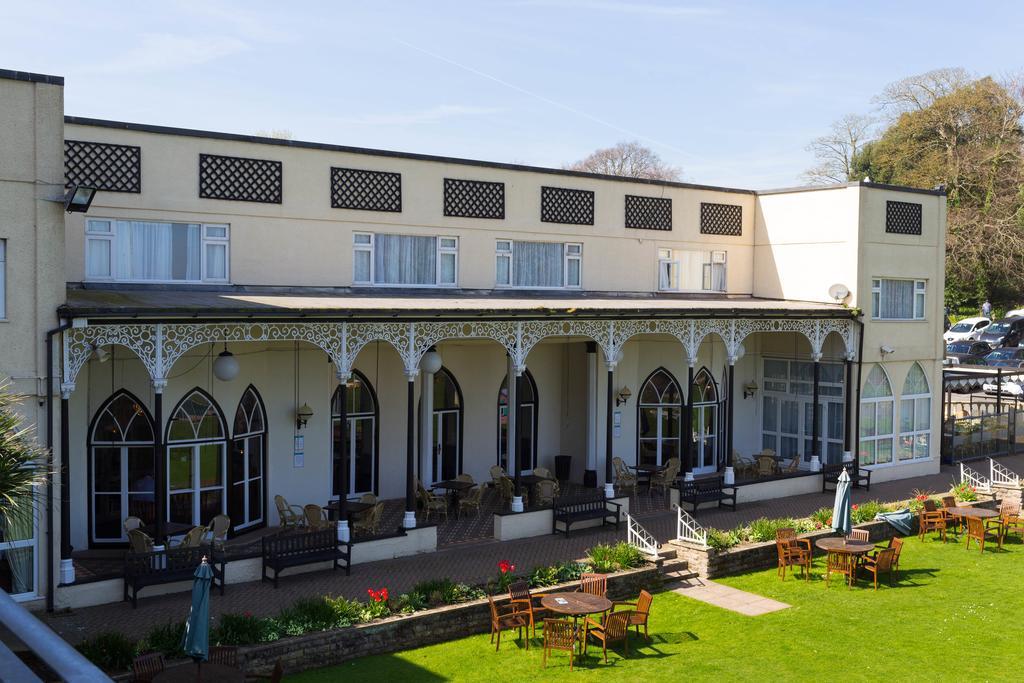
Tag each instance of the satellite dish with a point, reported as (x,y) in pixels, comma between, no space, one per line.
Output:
(838,291)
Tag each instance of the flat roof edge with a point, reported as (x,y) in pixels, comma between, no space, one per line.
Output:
(857,183)
(31,77)
(300,144)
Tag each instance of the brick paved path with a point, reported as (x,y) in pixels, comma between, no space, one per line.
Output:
(471,563)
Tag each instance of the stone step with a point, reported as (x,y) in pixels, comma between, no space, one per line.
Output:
(667,553)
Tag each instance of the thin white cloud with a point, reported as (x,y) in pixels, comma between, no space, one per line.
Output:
(157,52)
(431,115)
(668,10)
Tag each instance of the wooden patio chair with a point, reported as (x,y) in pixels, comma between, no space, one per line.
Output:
(224,654)
(559,634)
(859,535)
(368,498)
(896,543)
(951,520)
(217,530)
(194,538)
(510,617)
(765,465)
(1009,520)
(666,478)
(742,464)
(145,667)
(641,611)
(841,563)
(543,472)
(431,502)
(316,517)
(472,500)
(931,518)
(615,629)
(139,541)
(793,466)
(595,584)
(624,479)
(881,562)
(545,493)
(520,597)
(508,491)
(369,521)
(290,515)
(977,531)
(132,523)
(496,474)
(793,552)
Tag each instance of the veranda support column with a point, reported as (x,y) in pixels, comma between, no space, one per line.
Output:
(730,475)
(160,458)
(609,487)
(427,429)
(816,417)
(517,499)
(409,521)
(687,430)
(590,471)
(343,481)
(847,403)
(67,566)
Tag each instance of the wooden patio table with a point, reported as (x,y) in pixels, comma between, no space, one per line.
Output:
(576,605)
(844,546)
(187,673)
(354,508)
(452,488)
(170,529)
(648,472)
(977,513)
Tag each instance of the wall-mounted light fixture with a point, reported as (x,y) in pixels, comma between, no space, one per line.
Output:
(623,396)
(225,368)
(302,415)
(749,389)
(77,198)
(100,353)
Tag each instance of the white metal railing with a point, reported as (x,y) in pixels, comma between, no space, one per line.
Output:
(688,530)
(1000,474)
(640,538)
(980,483)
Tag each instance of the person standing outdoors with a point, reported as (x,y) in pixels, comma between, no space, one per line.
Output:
(986,309)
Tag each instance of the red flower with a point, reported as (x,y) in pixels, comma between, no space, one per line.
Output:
(378,595)
(384,594)
(248,614)
(854,507)
(505,567)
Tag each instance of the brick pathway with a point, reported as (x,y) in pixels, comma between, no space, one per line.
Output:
(469,562)
(727,597)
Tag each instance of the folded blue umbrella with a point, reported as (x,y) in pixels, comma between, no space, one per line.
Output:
(899,519)
(196,639)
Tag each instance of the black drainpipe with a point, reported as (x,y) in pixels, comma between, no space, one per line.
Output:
(50,588)
(860,371)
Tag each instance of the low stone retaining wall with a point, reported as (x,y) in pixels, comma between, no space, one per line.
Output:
(329,648)
(709,563)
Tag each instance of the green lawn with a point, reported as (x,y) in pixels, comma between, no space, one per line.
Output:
(953,615)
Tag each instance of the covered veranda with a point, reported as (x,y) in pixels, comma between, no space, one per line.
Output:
(570,360)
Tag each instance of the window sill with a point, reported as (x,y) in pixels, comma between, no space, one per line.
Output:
(372,285)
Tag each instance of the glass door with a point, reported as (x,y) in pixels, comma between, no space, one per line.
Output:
(705,438)
(18,558)
(123,486)
(446,444)
(245,502)
(195,480)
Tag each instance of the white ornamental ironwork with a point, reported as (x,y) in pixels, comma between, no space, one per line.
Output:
(1002,475)
(160,345)
(975,479)
(640,538)
(688,530)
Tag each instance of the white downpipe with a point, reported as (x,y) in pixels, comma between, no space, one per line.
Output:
(513,417)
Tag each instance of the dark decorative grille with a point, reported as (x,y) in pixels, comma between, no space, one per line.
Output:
(352,188)
(238,179)
(112,168)
(562,205)
(648,213)
(474,198)
(903,218)
(721,219)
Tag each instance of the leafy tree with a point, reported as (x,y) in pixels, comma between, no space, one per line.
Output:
(22,465)
(628,159)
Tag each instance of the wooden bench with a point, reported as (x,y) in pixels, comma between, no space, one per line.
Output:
(707,490)
(294,548)
(830,475)
(167,566)
(569,511)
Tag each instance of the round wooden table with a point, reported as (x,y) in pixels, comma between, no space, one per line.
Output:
(844,546)
(576,605)
(977,513)
(189,673)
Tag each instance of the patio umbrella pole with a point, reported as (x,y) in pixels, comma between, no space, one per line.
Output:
(195,641)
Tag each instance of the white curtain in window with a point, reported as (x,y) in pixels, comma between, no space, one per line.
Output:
(193,260)
(897,299)
(692,265)
(537,264)
(404,260)
(158,251)
(718,277)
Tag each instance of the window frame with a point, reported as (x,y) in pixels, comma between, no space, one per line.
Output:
(709,259)
(509,255)
(111,238)
(666,259)
(914,432)
(873,404)
(919,291)
(371,246)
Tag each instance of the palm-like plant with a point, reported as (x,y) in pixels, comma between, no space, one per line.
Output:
(23,464)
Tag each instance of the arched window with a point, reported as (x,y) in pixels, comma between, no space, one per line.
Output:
(447,426)
(915,416)
(122,468)
(876,410)
(659,418)
(196,454)
(247,463)
(361,437)
(704,422)
(527,423)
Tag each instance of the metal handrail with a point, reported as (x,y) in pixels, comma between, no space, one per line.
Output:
(980,483)
(1000,474)
(640,538)
(64,660)
(687,528)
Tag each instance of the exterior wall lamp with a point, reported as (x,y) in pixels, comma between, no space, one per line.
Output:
(749,389)
(623,396)
(302,415)
(77,198)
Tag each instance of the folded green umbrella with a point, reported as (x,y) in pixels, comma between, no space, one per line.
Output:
(841,519)
(196,639)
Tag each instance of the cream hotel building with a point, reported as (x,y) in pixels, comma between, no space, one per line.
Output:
(236,318)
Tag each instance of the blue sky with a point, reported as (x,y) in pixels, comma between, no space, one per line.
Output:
(731,92)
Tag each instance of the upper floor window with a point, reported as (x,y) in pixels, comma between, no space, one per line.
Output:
(151,251)
(410,260)
(898,299)
(538,265)
(685,270)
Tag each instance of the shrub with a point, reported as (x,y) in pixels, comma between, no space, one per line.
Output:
(570,571)
(722,540)
(821,518)
(408,603)
(505,575)
(544,576)
(165,639)
(764,529)
(243,629)
(917,503)
(964,492)
(865,512)
(627,556)
(601,558)
(306,615)
(347,612)
(379,605)
(111,651)
(434,591)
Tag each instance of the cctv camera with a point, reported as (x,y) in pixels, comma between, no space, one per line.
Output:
(887,349)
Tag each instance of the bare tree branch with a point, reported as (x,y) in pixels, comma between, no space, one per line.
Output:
(627,159)
(836,152)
